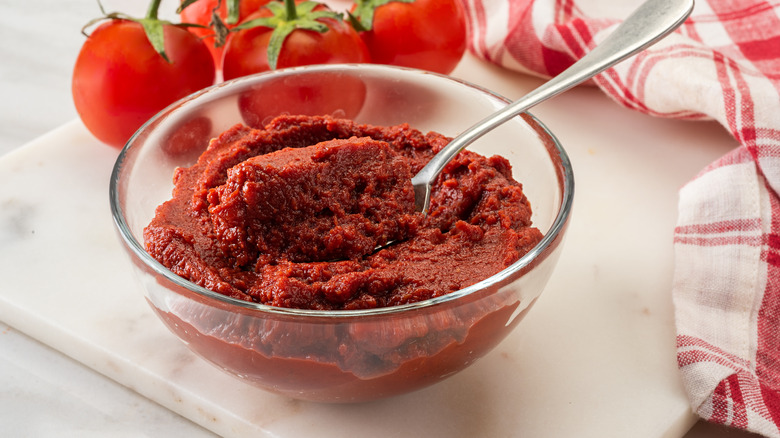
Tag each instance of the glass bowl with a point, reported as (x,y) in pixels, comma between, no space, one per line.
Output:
(350,355)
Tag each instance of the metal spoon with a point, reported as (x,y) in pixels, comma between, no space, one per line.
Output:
(652,21)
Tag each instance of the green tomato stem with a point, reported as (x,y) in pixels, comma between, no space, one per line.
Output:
(154,7)
(233,11)
(291,9)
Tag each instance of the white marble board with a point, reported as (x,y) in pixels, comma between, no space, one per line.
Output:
(595,357)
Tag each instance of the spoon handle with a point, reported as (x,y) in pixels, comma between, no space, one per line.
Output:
(652,21)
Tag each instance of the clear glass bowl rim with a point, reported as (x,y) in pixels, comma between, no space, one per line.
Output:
(138,251)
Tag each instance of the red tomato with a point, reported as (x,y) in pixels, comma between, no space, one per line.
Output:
(246,51)
(311,94)
(425,34)
(200,13)
(120,81)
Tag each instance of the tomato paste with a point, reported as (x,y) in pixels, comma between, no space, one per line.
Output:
(292,214)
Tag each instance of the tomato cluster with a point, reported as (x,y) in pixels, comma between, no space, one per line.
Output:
(129,69)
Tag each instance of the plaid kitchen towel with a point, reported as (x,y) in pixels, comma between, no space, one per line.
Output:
(722,64)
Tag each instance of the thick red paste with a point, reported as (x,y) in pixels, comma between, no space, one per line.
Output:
(290,215)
